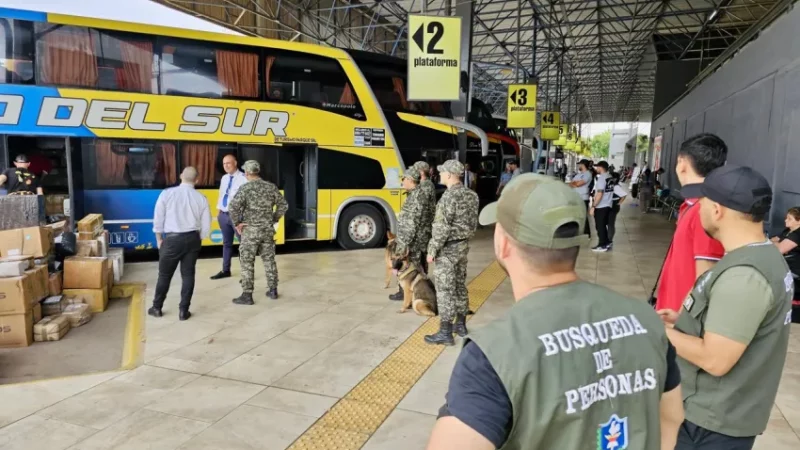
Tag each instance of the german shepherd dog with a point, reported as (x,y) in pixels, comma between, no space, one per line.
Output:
(419,293)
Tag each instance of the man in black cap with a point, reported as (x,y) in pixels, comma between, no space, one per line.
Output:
(732,331)
(19,180)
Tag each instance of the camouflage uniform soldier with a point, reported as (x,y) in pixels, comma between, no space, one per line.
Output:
(254,211)
(428,191)
(454,225)
(409,225)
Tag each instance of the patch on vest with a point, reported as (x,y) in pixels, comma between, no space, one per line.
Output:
(688,303)
(613,435)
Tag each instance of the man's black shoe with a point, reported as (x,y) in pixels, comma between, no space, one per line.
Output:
(245,299)
(221,275)
(184,314)
(155,312)
(273,294)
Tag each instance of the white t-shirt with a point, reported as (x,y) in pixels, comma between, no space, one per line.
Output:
(608,194)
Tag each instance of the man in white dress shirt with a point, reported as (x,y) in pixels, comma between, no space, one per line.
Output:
(228,187)
(182,219)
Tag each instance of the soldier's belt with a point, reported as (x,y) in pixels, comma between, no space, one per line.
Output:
(455,241)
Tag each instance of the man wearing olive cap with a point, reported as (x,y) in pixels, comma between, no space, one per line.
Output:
(409,225)
(572,365)
(453,226)
(255,210)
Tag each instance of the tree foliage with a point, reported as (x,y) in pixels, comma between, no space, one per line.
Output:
(642,143)
(600,144)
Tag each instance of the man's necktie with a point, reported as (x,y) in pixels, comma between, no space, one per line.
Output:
(227,191)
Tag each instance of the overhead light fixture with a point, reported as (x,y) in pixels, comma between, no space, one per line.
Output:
(713,14)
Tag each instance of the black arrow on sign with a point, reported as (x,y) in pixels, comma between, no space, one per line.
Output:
(514,97)
(418,37)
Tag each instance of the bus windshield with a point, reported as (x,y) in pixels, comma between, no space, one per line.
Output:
(387,78)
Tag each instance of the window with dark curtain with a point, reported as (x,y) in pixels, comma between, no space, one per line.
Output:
(169,162)
(237,72)
(203,157)
(66,55)
(110,166)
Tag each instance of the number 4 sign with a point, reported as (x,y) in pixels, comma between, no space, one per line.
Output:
(434,58)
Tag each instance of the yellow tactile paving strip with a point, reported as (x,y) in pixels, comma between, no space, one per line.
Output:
(351,421)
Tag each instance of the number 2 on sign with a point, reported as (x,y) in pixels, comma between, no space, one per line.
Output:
(438,30)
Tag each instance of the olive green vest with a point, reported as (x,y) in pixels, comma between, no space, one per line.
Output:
(738,403)
(583,366)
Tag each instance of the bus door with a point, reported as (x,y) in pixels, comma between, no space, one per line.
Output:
(298,180)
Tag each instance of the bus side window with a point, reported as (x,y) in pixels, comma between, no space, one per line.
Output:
(310,80)
(206,157)
(127,164)
(349,171)
(16,51)
(208,70)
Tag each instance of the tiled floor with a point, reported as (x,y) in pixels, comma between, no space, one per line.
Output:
(237,377)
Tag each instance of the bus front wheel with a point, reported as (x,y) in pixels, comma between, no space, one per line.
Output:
(361,226)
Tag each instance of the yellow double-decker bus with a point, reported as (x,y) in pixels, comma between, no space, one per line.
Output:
(111,112)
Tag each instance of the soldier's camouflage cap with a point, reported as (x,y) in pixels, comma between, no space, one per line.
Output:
(533,207)
(452,166)
(412,173)
(251,167)
(422,166)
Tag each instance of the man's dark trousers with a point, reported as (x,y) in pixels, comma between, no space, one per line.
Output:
(587,231)
(693,437)
(228,231)
(183,248)
(602,217)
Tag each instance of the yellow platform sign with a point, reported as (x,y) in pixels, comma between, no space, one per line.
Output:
(550,125)
(434,58)
(521,112)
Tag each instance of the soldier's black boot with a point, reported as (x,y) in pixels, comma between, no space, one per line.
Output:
(273,293)
(444,336)
(245,299)
(460,327)
(397,296)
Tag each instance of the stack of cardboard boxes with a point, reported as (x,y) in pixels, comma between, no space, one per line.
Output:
(24,255)
(32,300)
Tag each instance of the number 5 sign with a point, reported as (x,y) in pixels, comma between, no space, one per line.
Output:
(521,111)
(434,58)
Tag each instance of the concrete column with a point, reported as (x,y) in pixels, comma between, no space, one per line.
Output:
(461,108)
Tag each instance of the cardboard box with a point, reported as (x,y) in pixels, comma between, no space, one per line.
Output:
(85,273)
(82,236)
(22,258)
(54,283)
(10,269)
(54,204)
(33,241)
(51,328)
(92,223)
(40,279)
(78,314)
(37,312)
(102,244)
(16,330)
(87,248)
(16,295)
(53,306)
(117,258)
(97,299)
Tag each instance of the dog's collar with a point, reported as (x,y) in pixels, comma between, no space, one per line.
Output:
(409,270)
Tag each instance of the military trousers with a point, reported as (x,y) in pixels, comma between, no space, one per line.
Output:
(450,279)
(257,241)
